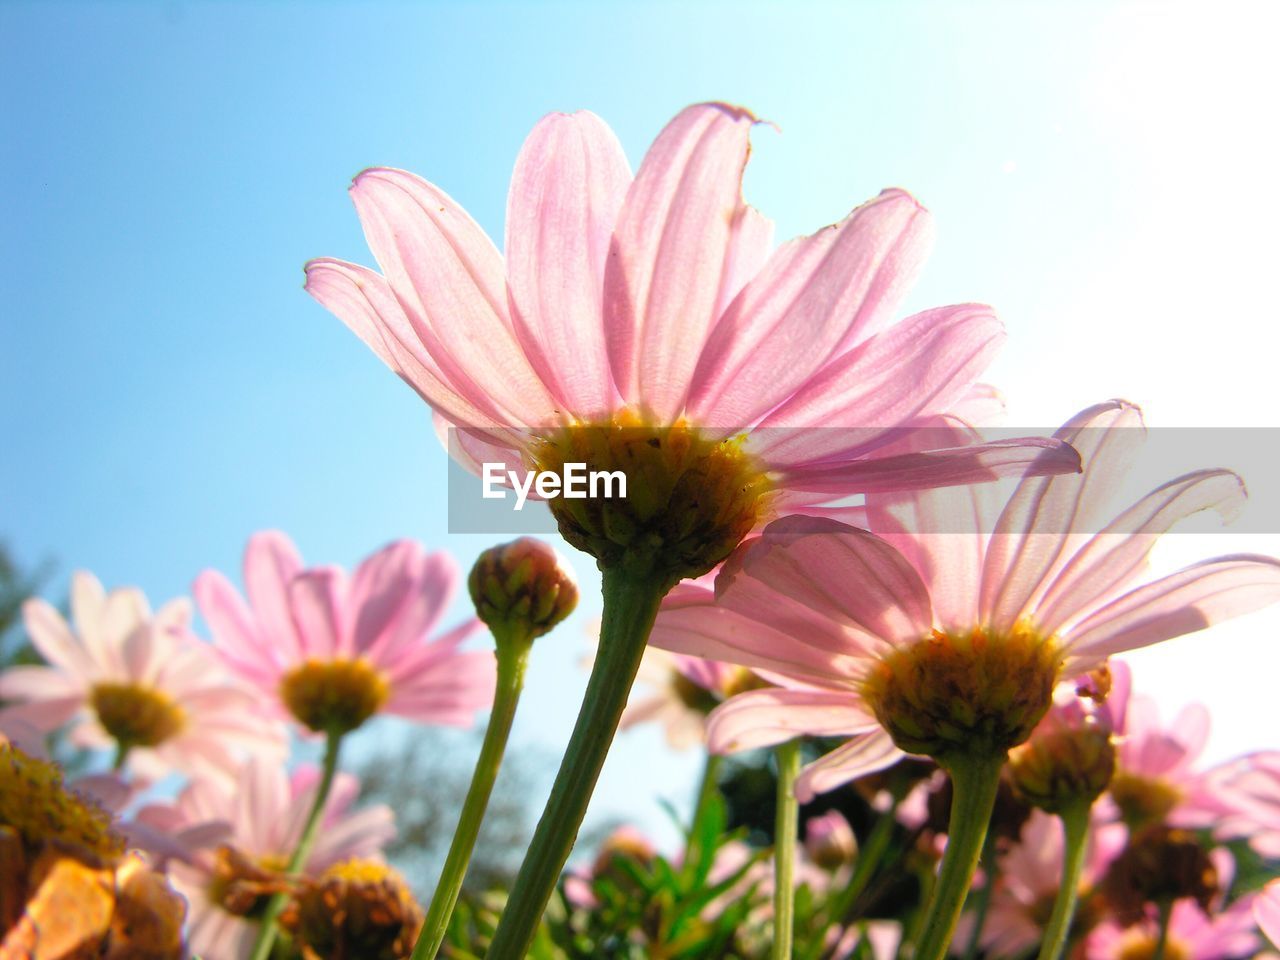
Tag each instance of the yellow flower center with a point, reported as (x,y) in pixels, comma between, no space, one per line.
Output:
(136,715)
(333,696)
(1141,945)
(690,498)
(359,908)
(1143,800)
(36,806)
(968,694)
(696,698)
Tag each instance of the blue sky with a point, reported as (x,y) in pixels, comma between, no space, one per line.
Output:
(1103,174)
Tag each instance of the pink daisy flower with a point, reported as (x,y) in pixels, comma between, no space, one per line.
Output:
(1266,911)
(1028,880)
(138,682)
(678,692)
(1192,935)
(645,323)
(331,651)
(867,632)
(1249,788)
(1158,777)
(237,837)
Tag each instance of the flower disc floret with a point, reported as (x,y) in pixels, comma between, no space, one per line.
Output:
(136,715)
(333,696)
(690,497)
(973,694)
(36,804)
(359,908)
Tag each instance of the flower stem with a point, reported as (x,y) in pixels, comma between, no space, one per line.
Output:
(122,754)
(1166,914)
(268,930)
(513,657)
(786,823)
(982,900)
(864,868)
(706,793)
(1075,829)
(974,781)
(630,607)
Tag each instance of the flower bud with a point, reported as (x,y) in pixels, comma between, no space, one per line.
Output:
(522,584)
(829,840)
(1065,766)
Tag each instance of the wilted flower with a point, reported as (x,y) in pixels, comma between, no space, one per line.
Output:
(139,682)
(643,325)
(331,651)
(67,888)
(357,909)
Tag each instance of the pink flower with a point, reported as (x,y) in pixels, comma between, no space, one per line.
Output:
(332,651)
(657,302)
(683,691)
(260,821)
(1249,788)
(1192,935)
(1028,880)
(1266,911)
(139,682)
(1157,778)
(830,610)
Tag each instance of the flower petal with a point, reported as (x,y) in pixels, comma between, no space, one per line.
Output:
(51,636)
(569,183)
(671,251)
(918,367)
(691,622)
(981,462)
(317,599)
(1109,560)
(364,301)
(271,561)
(815,298)
(1032,535)
(765,718)
(449,280)
(1183,602)
(857,758)
(846,574)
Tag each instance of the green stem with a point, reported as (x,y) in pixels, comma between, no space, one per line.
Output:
(306,840)
(513,657)
(122,754)
(630,606)
(1075,830)
(1166,913)
(982,901)
(974,781)
(869,856)
(706,793)
(785,825)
